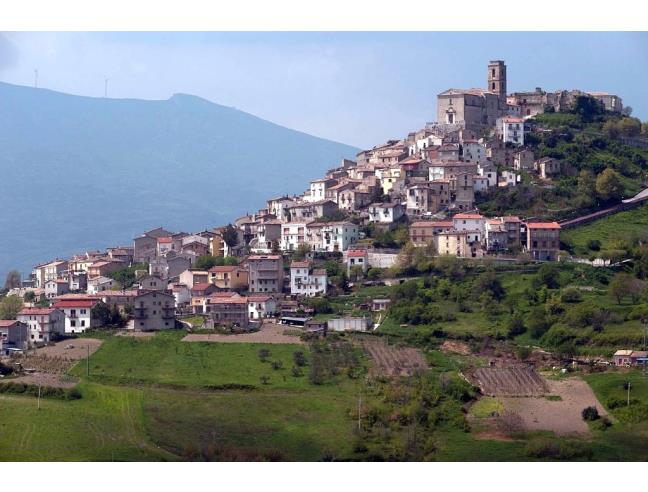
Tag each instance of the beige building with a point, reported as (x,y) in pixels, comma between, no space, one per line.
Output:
(543,240)
(266,273)
(229,277)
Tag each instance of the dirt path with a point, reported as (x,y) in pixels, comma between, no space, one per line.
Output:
(269,333)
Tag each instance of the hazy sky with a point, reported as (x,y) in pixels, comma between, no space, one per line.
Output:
(357,88)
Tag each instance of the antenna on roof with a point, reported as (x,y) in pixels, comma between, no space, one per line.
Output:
(35,78)
(106,79)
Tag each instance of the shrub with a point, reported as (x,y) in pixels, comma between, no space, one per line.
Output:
(299,358)
(277,364)
(264,353)
(570,295)
(590,413)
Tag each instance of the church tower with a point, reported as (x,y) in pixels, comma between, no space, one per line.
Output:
(497,78)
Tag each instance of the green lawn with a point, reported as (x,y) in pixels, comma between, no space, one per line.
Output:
(162,399)
(165,360)
(610,231)
(106,424)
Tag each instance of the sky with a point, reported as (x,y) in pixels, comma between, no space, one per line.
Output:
(356,88)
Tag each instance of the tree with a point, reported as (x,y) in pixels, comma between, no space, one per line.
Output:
(609,185)
(629,127)
(515,326)
(277,364)
(299,358)
(588,108)
(611,128)
(644,129)
(101,312)
(626,111)
(10,306)
(29,296)
(264,353)
(230,235)
(586,186)
(489,282)
(13,280)
(625,285)
(205,262)
(301,251)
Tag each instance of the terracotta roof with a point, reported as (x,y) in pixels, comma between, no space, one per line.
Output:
(165,240)
(468,216)
(511,218)
(356,253)
(224,268)
(36,311)
(72,303)
(224,294)
(228,300)
(432,223)
(264,257)
(7,323)
(201,286)
(319,271)
(259,298)
(300,264)
(543,225)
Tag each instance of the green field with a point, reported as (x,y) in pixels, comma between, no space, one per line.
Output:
(614,231)
(167,361)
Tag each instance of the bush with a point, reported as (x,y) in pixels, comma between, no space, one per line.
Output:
(570,295)
(590,413)
(594,245)
(277,364)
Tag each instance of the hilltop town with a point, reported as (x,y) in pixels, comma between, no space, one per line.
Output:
(461,248)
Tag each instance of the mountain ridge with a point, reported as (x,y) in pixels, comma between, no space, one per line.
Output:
(77,167)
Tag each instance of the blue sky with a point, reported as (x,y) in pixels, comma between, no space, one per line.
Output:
(357,88)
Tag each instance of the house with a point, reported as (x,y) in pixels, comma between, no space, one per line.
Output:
(523,160)
(543,240)
(496,236)
(293,235)
(56,287)
(319,187)
(102,268)
(77,280)
(145,246)
(268,236)
(462,191)
(122,253)
(306,281)
(228,310)
(380,304)
(510,129)
(443,171)
(181,293)
(153,310)
(152,282)
(49,271)
(266,273)
(100,284)
(547,167)
(480,184)
(164,245)
(422,232)
(353,199)
(357,258)
(626,358)
(78,314)
(488,170)
(385,213)
(44,324)
(261,306)
(514,231)
(190,277)
(122,299)
(13,334)
(229,277)
(509,178)
(349,324)
(469,222)
(203,289)
(473,151)
(169,266)
(338,236)
(428,197)
(453,243)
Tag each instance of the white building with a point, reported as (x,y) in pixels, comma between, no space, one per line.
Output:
(385,213)
(78,314)
(338,236)
(469,222)
(318,189)
(511,130)
(292,235)
(480,184)
(509,178)
(306,281)
(181,293)
(261,306)
(43,323)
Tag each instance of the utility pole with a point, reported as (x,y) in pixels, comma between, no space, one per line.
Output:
(39,393)
(88,362)
(106,79)
(359,408)
(36,78)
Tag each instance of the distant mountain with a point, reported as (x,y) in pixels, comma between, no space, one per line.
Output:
(82,173)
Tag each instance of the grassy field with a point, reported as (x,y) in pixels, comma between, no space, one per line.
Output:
(165,360)
(610,231)
(159,399)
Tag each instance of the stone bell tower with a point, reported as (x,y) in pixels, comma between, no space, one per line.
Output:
(497,78)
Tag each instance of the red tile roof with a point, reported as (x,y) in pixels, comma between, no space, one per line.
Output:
(36,311)
(201,286)
(543,225)
(73,303)
(468,216)
(300,264)
(7,323)
(165,240)
(228,268)
(356,253)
